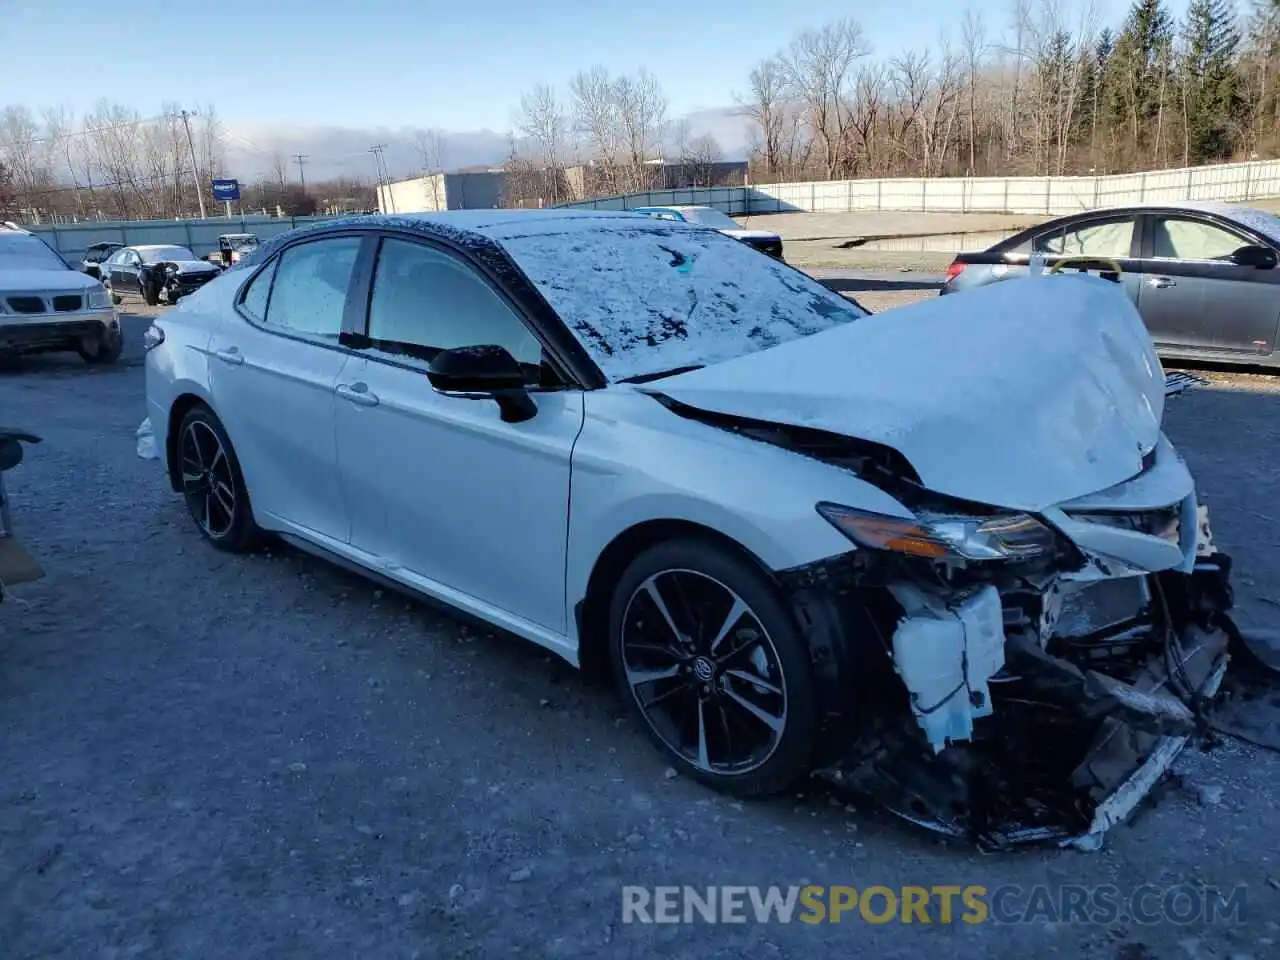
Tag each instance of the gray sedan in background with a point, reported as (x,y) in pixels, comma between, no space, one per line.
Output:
(1203,276)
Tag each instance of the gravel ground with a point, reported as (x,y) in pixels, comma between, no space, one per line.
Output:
(265,757)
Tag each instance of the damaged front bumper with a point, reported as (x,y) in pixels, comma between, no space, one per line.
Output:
(1020,705)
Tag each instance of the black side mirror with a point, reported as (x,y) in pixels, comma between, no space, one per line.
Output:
(484,372)
(1263,258)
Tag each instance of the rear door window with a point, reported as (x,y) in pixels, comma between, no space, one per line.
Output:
(1094,238)
(309,294)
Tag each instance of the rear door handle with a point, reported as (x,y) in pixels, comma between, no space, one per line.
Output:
(230,355)
(357,393)
(1161,283)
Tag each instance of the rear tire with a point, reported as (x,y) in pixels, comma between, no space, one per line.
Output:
(212,484)
(714,667)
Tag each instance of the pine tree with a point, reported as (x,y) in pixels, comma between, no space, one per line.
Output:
(1138,78)
(1210,82)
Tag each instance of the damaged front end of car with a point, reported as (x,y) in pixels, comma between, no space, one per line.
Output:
(1045,686)
(1005,677)
(1037,700)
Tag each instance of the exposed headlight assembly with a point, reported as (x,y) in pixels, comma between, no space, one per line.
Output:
(98,298)
(1014,536)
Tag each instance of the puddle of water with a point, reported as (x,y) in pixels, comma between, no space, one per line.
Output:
(940,243)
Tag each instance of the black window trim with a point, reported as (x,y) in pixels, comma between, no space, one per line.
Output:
(362,254)
(1196,216)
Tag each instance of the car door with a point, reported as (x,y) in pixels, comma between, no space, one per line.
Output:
(130,274)
(115,268)
(439,486)
(272,369)
(1195,297)
(1108,237)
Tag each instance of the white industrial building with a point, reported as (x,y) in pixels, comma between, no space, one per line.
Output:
(443,191)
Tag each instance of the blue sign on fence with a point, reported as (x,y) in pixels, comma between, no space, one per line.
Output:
(226,190)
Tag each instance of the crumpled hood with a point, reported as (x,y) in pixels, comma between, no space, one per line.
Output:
(46,281)
(192,266)
(1021,394)
(744,234)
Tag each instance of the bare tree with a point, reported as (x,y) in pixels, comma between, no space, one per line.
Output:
(704,154)
(766,104)
(596,118)
(974,42)
(642,114)
(542,119)
(430,146)
(280,170)
(819,66)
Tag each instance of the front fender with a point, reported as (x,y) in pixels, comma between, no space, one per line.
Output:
(636,462)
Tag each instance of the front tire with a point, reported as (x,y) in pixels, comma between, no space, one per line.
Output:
(115,297)
(212,484)
(104,351)
(707,655)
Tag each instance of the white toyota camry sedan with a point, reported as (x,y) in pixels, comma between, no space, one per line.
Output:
(944,555)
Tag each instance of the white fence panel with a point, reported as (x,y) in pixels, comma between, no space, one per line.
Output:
(1046,196)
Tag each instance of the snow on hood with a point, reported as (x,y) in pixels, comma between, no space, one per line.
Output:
(1021,394)
(645,295)
(46,281)
(745,234)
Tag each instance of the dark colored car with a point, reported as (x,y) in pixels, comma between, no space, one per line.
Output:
(766,241)
(156,273)
(1203,276)
(95,255)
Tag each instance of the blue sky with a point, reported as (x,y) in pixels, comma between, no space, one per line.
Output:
(395,63)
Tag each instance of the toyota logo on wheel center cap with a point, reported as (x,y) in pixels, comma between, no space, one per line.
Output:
(703,669)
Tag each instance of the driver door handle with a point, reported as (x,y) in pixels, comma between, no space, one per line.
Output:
(357,393)
(1161,283)
(230,355)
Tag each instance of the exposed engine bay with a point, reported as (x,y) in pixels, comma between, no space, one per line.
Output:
(1010,678)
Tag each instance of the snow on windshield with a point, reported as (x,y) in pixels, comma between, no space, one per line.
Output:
(156,254)
(649,297)
(22,252)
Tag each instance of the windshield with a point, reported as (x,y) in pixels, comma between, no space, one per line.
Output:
(157,254)
(706,217)
(650,297)
(22,252)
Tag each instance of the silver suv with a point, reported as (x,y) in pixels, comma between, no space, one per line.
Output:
(46,305)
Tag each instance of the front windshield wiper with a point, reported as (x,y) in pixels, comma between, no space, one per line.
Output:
(659,374)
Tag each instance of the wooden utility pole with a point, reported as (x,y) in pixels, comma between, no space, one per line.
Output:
(195,169)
